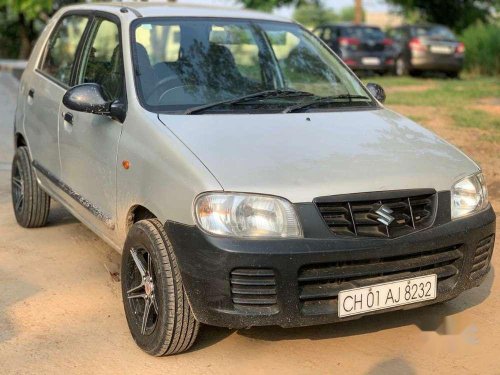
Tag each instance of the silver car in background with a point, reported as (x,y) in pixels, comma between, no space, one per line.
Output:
(427,48)
(245,174)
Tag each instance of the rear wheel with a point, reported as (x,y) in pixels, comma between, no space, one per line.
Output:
(157,310)
(31,203)
(453,75)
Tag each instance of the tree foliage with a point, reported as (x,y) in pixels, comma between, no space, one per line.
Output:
(457,14)
(312,15)
(348,14)
(22,21)
(29,9)
(268,5)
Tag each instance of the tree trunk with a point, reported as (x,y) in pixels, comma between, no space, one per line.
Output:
(358,12)
(24,38)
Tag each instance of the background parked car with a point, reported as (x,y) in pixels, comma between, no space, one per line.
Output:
(427,48)
(362,47)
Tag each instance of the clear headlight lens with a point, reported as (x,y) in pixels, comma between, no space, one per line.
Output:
(468,195)
(246,215)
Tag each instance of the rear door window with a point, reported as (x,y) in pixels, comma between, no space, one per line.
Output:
(435,32)
(61,50)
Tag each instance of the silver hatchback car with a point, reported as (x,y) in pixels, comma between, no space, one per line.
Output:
(245,174)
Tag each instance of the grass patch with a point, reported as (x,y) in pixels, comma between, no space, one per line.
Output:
(472,118)
(452,97)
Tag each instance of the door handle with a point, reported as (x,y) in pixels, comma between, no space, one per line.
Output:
(68,117)
(31,93)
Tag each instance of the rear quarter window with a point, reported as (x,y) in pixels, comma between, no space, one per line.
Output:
(60,52)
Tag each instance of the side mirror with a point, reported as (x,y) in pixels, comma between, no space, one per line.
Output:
(89,98)
(377,91)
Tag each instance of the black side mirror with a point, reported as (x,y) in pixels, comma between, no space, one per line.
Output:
(89,98)
(377,91)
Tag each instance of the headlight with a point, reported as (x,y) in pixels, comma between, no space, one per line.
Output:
(468,196)
(246,215)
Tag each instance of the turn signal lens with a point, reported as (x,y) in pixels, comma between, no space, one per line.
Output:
(416,45)
(460,48)
(344,41)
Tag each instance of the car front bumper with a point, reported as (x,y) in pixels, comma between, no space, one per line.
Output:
(239,283)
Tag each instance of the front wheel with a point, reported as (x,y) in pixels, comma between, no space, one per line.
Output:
(157,310)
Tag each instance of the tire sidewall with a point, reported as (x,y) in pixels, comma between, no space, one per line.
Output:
(21,157)
(140,237)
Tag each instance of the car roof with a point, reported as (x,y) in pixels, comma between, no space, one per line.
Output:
(348,24)
(166,9)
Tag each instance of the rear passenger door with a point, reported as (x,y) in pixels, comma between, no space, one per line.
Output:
(45,88)
(88,143)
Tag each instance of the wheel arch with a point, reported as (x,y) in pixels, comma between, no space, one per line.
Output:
(137,213)
(20,140)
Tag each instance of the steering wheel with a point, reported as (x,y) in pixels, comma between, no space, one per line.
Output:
(170,95)
(168,81)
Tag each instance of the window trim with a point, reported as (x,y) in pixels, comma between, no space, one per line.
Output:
(97,16)
(75,69)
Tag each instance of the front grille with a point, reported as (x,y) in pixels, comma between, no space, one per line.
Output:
(319,285)
(360,218)
(253,288)
(482,257)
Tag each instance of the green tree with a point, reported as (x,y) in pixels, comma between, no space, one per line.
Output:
(24,19)
(457,14)
(268,5)
(348,14)
(313,15)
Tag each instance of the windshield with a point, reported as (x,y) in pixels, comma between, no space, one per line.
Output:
(435,32)
(186,63)
(362,33)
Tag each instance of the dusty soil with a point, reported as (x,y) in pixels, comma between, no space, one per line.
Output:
(61,311)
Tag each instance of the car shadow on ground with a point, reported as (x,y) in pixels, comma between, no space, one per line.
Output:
(435,318)
(59,216)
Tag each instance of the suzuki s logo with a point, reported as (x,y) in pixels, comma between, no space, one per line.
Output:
(384,215)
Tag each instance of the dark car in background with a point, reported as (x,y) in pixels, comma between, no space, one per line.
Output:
(427,48)
(362,47)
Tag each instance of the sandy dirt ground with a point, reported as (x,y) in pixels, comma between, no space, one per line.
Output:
(61,309)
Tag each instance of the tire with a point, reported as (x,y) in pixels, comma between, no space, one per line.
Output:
(453,75)
(170,326)
(416,73)
(31,204)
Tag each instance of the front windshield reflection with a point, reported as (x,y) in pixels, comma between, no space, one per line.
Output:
(186,63)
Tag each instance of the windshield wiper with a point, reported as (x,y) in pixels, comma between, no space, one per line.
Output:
(287,93)
(323,100)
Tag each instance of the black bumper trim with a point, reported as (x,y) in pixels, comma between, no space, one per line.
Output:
(206,263)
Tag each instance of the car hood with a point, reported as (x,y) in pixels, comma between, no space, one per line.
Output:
(303,156)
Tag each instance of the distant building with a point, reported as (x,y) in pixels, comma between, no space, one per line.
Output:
(383,19)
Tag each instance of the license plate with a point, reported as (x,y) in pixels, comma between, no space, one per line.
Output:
(370,61)
(445,50)
(386,295)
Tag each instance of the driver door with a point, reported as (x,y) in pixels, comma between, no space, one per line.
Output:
(88,143)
